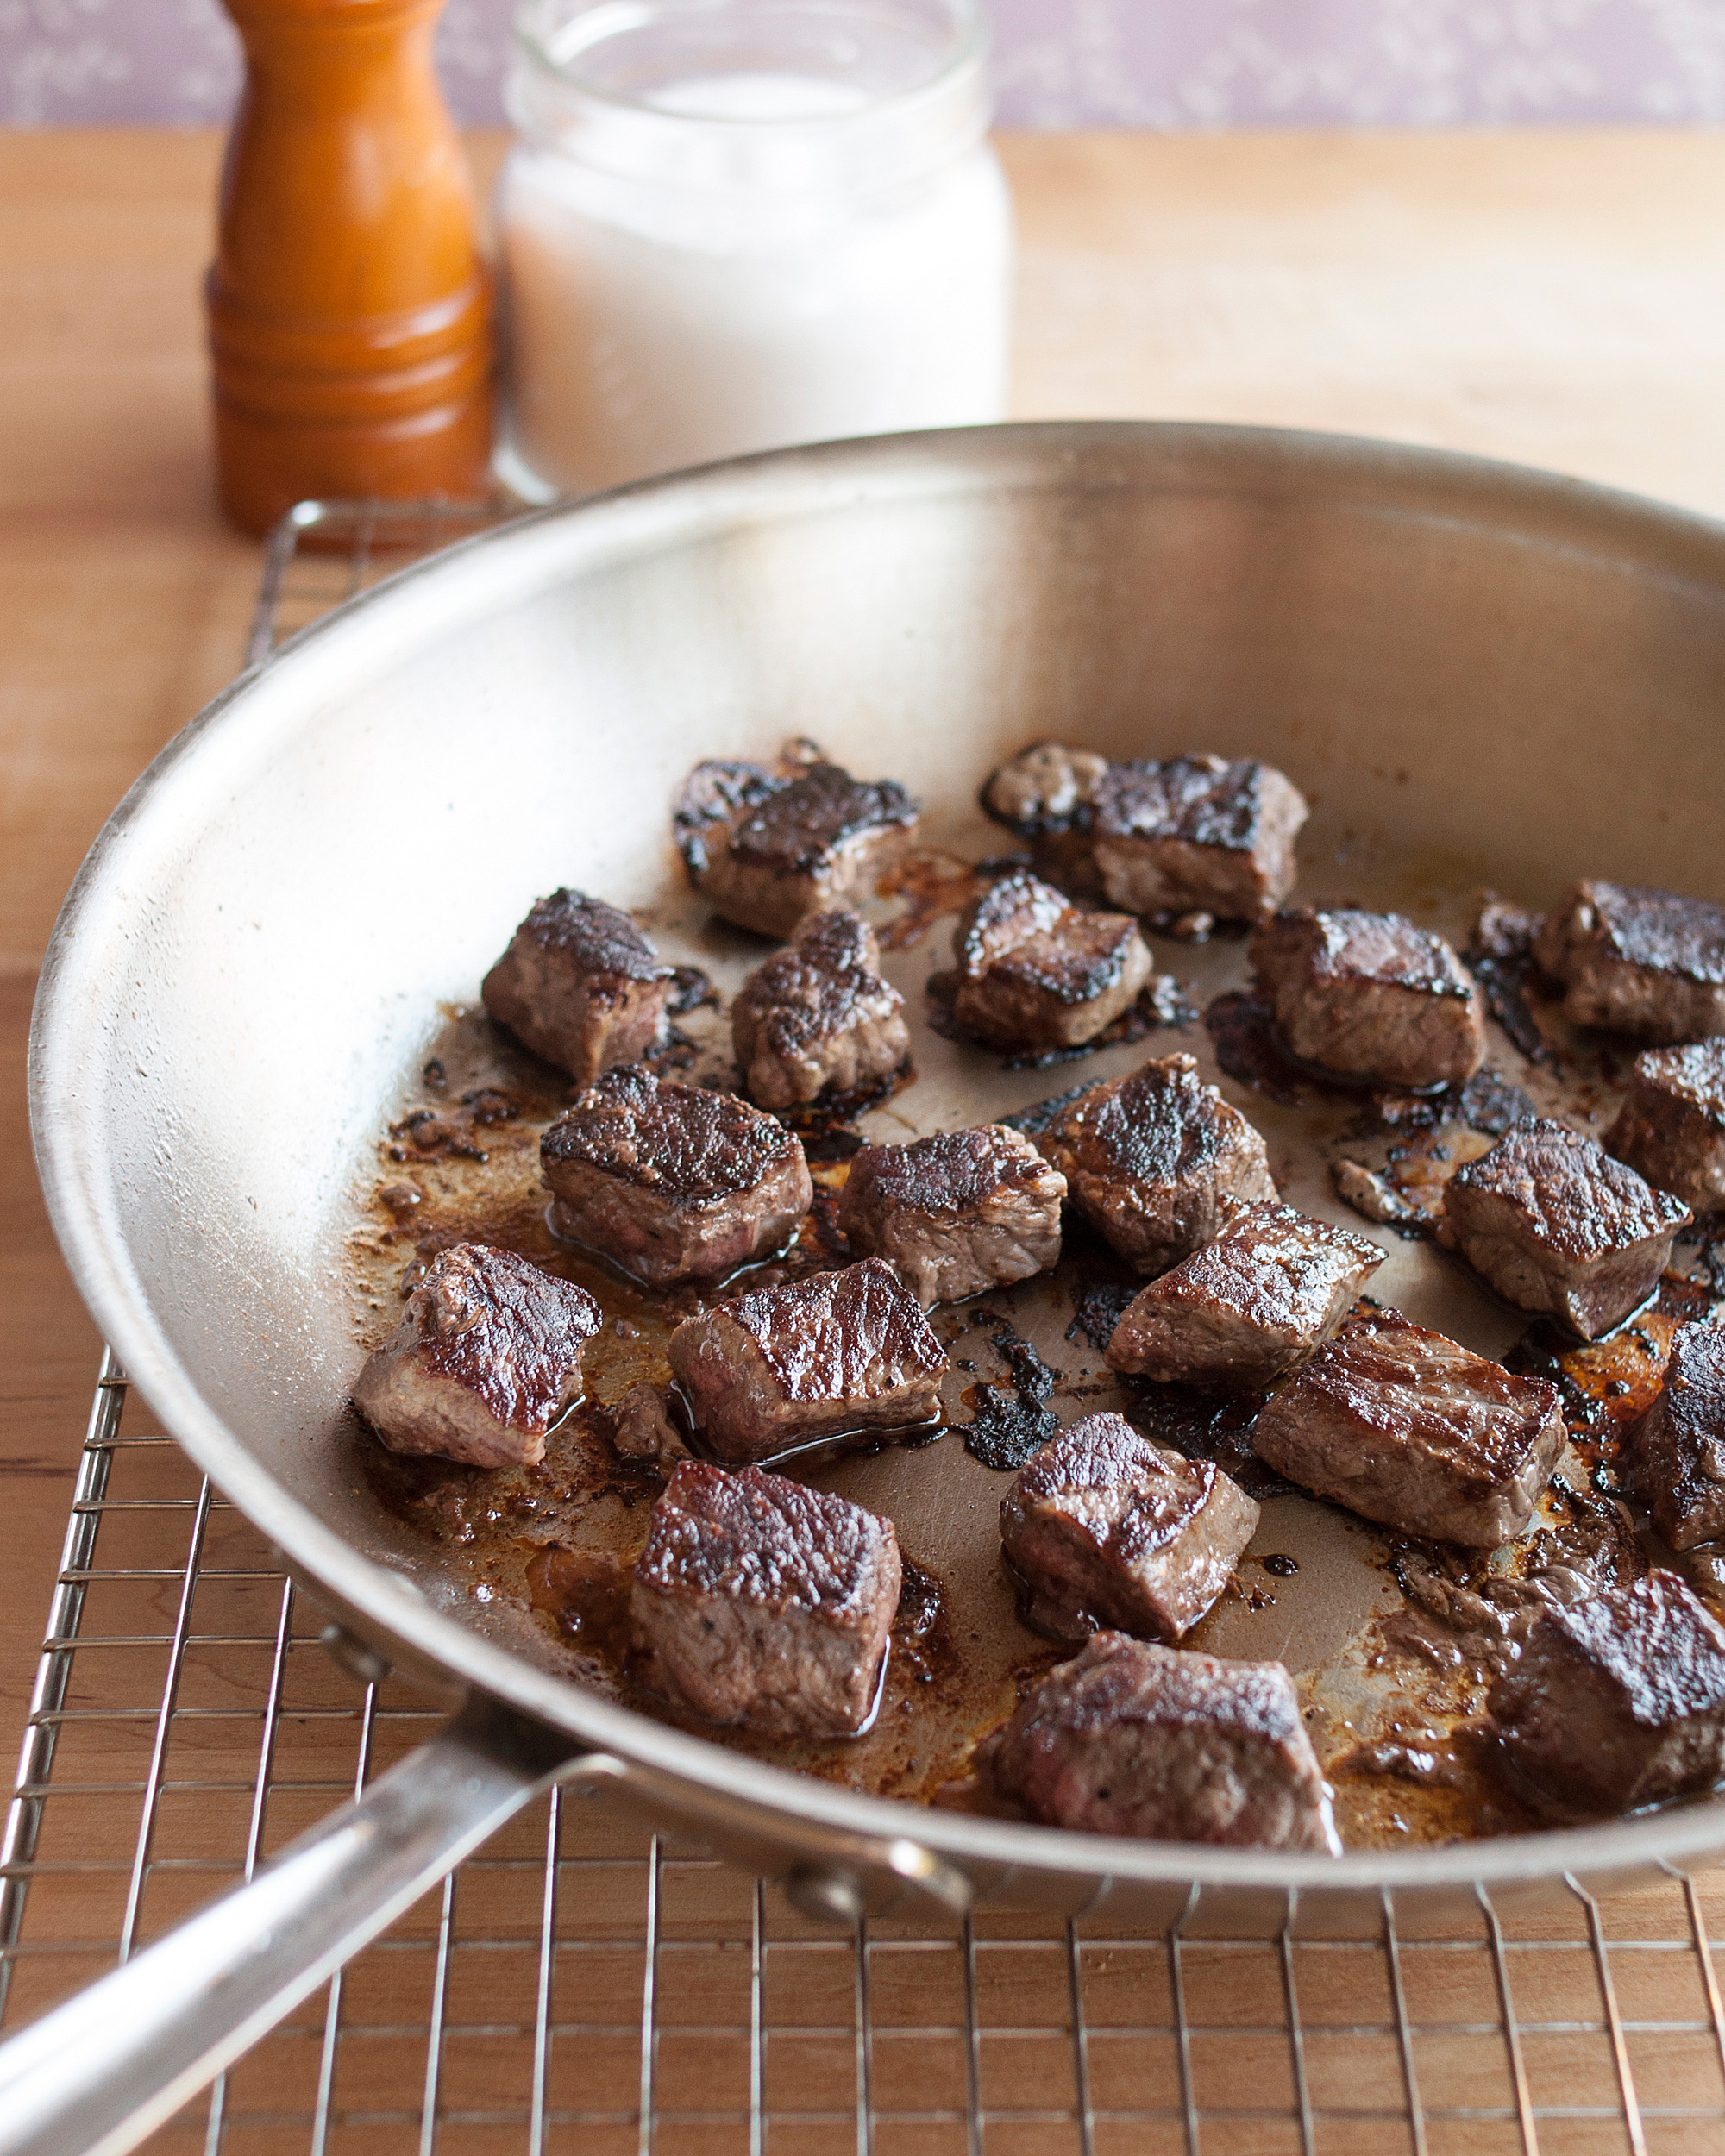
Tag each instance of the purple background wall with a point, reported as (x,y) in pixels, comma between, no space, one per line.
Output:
(1060,63)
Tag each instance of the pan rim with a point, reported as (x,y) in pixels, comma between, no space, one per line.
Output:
(1653,538)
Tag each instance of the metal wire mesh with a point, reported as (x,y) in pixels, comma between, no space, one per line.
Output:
(583,1985)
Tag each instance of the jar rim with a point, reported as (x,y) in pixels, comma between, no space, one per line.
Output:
(969,49)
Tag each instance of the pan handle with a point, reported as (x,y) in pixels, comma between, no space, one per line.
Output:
(95,2075)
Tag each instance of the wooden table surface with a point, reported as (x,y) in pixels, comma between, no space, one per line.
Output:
(1555,298)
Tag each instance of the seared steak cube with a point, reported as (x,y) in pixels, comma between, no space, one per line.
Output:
(1369,995)
(758,1601)
(1109,1531)
(1131,1738)
(1404,1426)
(1638,961)
(1157,1161)
(831,1354)
(1034,971)
(581,985)
(1504,931)
(769,849)
(956,1213)
(486,1358)
(1265,1295)
(643,1430)
(1044,789)
(819,1015)
(1555,1223)
(1618,1701)
(1672,1125)
(1675,1454)
(1197,832)
(673,1182)
(1184,835)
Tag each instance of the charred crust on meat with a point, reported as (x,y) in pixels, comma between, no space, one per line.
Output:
(1554,1224)
(768,848)
(1034,971)
(1176,836)
(1371,996)
(1504,932)
(1129,1737)
(1108,1531)
(712,797)
(818,1016)
(759,1601)
(1637,961)
(1670,1127)
(600,938)
(486,1358)
(956,1213)
(1617,1702)
(1020,910)
(1263,1296)
(1045,789)
(1644,927)
(796,827)
(953,1171)
(683,1142)
(1157,1161)
(672,1182)
(1409,1428)
(846,1355)
(581,985)
(1674,1456)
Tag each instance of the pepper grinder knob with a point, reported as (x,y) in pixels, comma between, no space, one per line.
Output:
(350,314)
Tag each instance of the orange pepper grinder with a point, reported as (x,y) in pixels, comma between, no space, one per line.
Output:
(350,315)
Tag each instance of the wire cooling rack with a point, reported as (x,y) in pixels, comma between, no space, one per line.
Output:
(585,1988)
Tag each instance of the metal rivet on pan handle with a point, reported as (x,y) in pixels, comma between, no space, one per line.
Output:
(354,1655)
(834,1894)
(825,1893)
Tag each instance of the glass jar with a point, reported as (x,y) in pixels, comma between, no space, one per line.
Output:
(728,225)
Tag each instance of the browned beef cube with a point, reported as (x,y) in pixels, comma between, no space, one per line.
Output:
(1157,1161)
(956,1213)
(1184,835)
(673,1182)
(1369,995)
(1264,1295)
(819,1015)
(486,1358)
(1638,961)
(1045,789)
(1506,931)
(758,1601)
(1672,1125)
(1555,1223)
(1619,1701)
(581,985)
(768,849)
(1404,1426)
(1109,1531)
(643,1430)
(1675,1454)
(1131,1738)
(1035,971)
(833,1355)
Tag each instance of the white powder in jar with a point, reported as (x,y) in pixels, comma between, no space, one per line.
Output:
(663,317)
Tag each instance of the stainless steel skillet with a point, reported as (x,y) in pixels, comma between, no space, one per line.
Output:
(1479,675)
